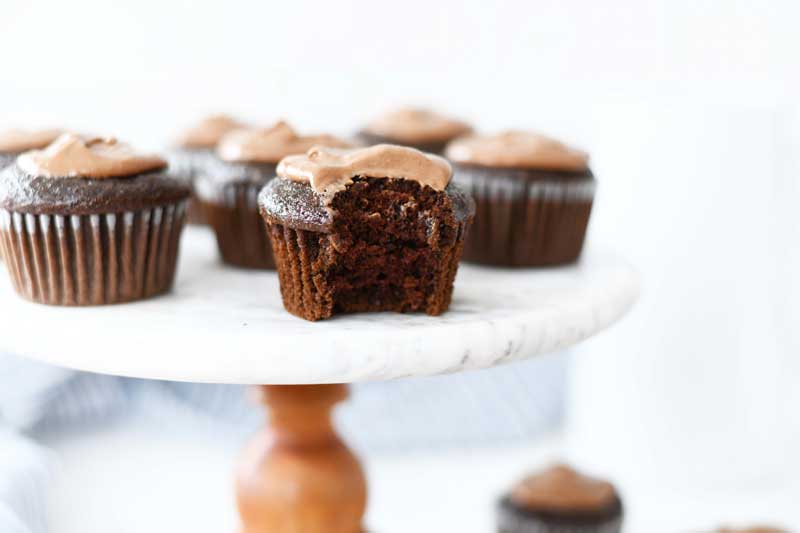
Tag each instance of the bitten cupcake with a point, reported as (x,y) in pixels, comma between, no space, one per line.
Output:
(371,229)
(90,222)
(14,142)
(228,192)
(533,194)
(560,500)
(195,151)
(418,128)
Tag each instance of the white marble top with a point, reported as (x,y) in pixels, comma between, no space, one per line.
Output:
(228,326)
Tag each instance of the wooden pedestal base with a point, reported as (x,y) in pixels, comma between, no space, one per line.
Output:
(297,476)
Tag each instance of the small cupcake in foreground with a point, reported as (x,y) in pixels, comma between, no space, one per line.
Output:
(371,229)
(90,222)
(534,196)
(228,192)
(560,500)
(418,128)
(195,150)
(14,142)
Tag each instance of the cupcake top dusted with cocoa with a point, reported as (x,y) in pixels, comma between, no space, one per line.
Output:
(306,185)
(519,150)
(561,488)
(17,141)
(416,126)
(270,145)
(85,175)
(206,134)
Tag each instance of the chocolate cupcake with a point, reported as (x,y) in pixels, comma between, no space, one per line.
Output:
(370,229)
(533,194)
(90,222)
(417,128)
(560,500)
(14,142)
(228,192)
(194,154)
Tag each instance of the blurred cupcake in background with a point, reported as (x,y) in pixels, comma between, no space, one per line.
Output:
(90,221)
(14,142)
(533,194)
(195,149)
(418,128)
(228,192)
(560,500)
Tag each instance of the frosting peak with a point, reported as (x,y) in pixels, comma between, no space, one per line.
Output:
(208,132)
(328,170)
(560,488)
(518,149)
(417,126)
(16,141)
(72,156)
(270,145)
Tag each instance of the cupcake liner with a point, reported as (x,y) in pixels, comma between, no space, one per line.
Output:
(519,222)
(303,257)
(241,233)
(78,260)
(511,521)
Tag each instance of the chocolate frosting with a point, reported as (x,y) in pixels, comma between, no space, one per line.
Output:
(72,156)
(517,149)
(18,141)
(207,133)
(329,170)
(562,489)
(270,145)
(414,126)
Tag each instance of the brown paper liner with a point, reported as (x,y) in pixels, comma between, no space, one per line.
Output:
(521,223)
(511,520)
(304,258)
(82,260)
(241,233)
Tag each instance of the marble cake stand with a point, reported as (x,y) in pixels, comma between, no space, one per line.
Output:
(228,326)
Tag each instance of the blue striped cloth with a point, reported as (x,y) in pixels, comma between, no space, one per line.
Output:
(498,405)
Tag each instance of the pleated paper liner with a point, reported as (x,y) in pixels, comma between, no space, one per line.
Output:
(92,259)
(524,223)
(241,234)
(304,257)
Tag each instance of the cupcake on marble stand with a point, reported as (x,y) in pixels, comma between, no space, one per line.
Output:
(246,160)
(370,229)
(90,221)
(422,129)
(560,500)
(193,154)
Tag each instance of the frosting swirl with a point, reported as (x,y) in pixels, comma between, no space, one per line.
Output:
(16,141)
(517,149)
(208,132)
(270,145)
(417,126)
(560,488)
(329,169)
(72,156)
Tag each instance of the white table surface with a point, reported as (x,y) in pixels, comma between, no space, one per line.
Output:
(228,325)
(146,474)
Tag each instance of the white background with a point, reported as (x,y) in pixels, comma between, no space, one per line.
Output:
(689,109)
